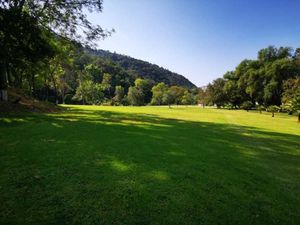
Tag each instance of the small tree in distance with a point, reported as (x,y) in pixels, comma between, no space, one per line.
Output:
(273,109)
(260,108)
(247,105)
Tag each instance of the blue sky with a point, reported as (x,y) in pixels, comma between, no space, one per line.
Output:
(200,39)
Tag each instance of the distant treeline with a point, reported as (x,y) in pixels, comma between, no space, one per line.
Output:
(271,81)
(144,69)
(100,80)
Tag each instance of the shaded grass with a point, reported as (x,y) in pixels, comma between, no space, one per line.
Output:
(149,165)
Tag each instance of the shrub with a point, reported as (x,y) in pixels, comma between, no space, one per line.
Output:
(68,99)
(247,105)
(260,108)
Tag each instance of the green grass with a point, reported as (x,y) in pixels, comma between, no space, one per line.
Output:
(149,165)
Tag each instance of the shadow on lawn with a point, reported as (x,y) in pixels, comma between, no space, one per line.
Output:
(103,167)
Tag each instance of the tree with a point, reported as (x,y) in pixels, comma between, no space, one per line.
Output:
(23,45)
(234,93)
(273,109)
(259,81)
(28,40)
(119,94)
(296,105)
(194,94)
(187,98)
(158,93)
(291,87)
(95,71)
(202,96)
(135,96)
(62,87)
(169,97)
(271,53)
(291,96)
(260,108)
(58,74)
(64,17)
(89,92)
(247,105)
(144,86)
(297,57)
(216,94)
(107,84)
(178,92)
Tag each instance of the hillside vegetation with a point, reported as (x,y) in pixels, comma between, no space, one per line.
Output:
(145,69)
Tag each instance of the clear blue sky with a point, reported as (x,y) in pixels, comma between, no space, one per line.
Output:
(200,39)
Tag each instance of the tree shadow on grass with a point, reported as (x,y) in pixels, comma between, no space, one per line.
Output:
(107,167)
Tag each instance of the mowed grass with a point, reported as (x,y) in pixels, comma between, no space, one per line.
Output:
(149,165)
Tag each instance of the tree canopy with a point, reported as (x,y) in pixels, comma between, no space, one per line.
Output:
(259,81)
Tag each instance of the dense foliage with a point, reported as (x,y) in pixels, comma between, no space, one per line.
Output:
(144,69)
(33,39)
(269,81)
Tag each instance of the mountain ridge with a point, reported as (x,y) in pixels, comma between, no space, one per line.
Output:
(144,69)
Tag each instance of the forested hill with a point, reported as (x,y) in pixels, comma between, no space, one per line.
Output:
(144,69)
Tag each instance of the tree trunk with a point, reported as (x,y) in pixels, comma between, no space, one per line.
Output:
(299,117)
(272,114)
(3,83)
(53,80)
(63,96)
(3,95)
(33,84)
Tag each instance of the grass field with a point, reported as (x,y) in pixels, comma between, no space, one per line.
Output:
(149,165)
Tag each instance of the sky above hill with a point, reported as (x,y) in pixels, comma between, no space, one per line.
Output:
(200,39)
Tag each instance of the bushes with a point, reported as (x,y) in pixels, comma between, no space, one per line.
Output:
(247,105)
(69,99)
(260,108)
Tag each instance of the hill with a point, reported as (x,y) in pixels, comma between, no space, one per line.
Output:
(144,69)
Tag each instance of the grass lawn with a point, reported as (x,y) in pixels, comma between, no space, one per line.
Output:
(149,165)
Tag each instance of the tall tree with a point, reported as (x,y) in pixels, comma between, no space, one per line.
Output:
(203,97)
(169,97)
(107,84)
(216,92)
(158,93)
(23,44)
(26,25)
(187,98)
(89,93)
(144,85)
(119,95)
(178,92)
(135,96)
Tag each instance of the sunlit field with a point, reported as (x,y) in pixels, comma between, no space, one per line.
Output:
(149,165)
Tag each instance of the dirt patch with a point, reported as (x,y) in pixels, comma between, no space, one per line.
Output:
(19,102)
